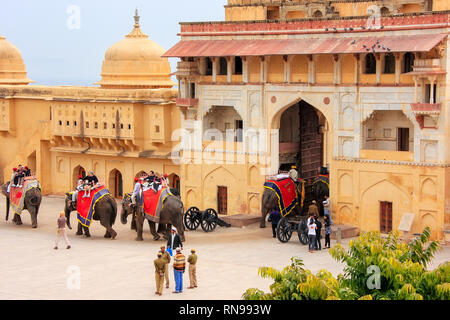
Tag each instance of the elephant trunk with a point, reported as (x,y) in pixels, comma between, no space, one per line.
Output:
(67,212)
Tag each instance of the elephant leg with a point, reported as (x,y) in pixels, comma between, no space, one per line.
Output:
(87,234)
(105,222)
(139,227)
(155,234)
(79,230)
(133,222)
(33,213)
(18,219)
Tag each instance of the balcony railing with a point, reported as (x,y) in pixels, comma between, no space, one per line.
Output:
(426,108)
(187,102)
(187,68)
(427,66)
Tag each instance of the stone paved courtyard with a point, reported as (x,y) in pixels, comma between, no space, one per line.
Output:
(123,269)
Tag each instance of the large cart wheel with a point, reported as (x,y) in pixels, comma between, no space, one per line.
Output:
(284,230)
(192,218)
(302,233)
(209,220)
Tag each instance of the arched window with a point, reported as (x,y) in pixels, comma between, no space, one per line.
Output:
(318,14)
(208,70)
(237,65)
(389,63)
(223,66)
(384,11)
(408,62)
(370,64)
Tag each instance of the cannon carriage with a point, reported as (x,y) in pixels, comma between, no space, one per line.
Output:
(208,219)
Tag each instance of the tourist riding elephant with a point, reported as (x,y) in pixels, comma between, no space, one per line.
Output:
(105,211)
(269,202)
(32,202)
(171,215)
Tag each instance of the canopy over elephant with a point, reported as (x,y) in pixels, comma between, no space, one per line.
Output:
(171,215)
(105,212)
(270,200)
(31,202)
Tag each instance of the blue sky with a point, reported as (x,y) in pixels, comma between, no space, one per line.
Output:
(58,55)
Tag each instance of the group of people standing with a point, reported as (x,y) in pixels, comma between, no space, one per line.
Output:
(18,175)
(179,265)
(315,226)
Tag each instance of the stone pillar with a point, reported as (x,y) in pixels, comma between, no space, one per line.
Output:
(357,67)
(215,67)
(337,69)
(287,69)
(263,70)
(398,67)
(311,70)
(378,67)
(245,72)
(432,81)
(230,65)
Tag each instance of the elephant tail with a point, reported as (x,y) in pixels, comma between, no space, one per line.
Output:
(113,205)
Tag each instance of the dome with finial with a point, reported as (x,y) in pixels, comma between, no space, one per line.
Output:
(12,67)
(135,62)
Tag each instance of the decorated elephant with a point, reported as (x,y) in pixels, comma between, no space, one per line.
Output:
(104,210)
(29,201)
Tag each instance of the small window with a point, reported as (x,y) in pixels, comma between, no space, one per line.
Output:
(105,125)
(384,11)
(408,62)
(113,125)
(318,14)
(209,67)
(60,122)
(67,123)
(96,125)
(87,124)
(192,91)
(121,126)
(129,127)
(237,65)
(223,66)
(370,65)
(389,63)
(157,129)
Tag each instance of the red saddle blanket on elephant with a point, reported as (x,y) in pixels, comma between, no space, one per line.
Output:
(17,195)
(86,205)
(286,193)
(154,202)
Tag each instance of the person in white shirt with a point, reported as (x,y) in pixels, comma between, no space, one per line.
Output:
(312,234)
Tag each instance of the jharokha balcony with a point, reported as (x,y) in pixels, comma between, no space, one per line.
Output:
(187,102)
(424,111)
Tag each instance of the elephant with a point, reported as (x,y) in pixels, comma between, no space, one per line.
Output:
(269,202)
(32,202)
(171,215)
(105,211)
(320,189)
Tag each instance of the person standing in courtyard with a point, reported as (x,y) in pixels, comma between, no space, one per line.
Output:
(160,269)
(179,266)
(312,234)
(274,217)
(192,259)
(318,232)
(166,257)
(326,205)
(61,232)
(313,209)
(328,231)
(174,240)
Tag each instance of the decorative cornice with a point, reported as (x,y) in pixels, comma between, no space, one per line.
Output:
(393,162)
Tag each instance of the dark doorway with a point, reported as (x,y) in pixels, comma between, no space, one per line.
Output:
(309,159)
(403,139)
(239,125)
(116,183)
(385,217)
(222,200)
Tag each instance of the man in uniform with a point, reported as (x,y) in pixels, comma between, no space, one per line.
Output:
(166,257)
(160,267)
(192,259)
(313,209)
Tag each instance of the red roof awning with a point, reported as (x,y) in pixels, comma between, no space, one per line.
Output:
(224,48)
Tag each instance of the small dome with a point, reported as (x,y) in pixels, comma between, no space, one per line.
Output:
(12,67)
(135,62)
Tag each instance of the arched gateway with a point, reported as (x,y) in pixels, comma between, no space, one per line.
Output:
(302,141)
